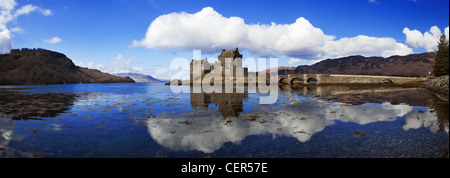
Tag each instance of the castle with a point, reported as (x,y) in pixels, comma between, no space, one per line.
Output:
(197,73)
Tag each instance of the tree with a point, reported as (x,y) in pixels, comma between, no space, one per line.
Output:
(440,66)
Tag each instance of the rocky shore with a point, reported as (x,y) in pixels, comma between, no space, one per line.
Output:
(439,86)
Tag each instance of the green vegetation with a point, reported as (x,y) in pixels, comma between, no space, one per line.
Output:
(440,66)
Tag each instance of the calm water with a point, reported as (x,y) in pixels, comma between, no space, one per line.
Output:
(148,120)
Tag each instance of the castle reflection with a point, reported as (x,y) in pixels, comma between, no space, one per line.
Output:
(229,104)
(203,130)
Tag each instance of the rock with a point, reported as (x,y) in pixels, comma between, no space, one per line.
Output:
(440,86)
(359,134)
(174,81)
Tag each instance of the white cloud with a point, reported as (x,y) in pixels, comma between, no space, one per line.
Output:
(8,14)
(46,12)
(5,41)
(210,31)
(53,40)
(160,73)
(92,65)
(7,4)
(115,65)
(366,46)
(427,40)
(293,60)
(30,8)
(25,9)
(119,64)
(446,33)
(16,30)
(118,57)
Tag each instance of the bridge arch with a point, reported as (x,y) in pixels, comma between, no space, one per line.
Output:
(387,81)
(297,80)
(283,81)
(312,80)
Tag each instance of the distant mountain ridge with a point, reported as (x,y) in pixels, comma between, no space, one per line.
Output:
(40,66)
(140,78)
(413,65)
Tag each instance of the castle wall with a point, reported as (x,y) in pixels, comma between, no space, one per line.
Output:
(206,67)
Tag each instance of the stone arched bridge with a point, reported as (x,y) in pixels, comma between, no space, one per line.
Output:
(345,79)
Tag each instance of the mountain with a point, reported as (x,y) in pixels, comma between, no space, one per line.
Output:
(139,77)
(40,66)
(413,65)
(281,69)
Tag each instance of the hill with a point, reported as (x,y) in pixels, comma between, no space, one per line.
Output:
(282,69)
(413,65)
(40,66)
(139,77)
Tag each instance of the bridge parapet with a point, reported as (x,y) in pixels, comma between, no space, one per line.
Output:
(345,79)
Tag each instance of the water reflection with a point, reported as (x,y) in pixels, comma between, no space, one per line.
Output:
(69,124)
(229,104)
(7,135)
(207,130)
(360,95)
(18,105)
(418,118)
(15,105)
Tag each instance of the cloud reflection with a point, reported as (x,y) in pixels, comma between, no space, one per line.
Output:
(208,130)
(6,136)
(428,119)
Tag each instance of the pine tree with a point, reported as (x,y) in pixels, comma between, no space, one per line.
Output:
(440,66)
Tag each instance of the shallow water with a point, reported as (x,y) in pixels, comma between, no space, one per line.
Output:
(148,120)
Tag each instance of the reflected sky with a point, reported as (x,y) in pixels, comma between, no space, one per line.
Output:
(145,120)
(208,130)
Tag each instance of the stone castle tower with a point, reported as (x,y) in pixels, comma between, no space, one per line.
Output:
(226,54)
(234,54)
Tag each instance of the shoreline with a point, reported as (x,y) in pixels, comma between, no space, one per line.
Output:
(403,85)
(439,87)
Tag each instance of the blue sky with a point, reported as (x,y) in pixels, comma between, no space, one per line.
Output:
(114,35)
